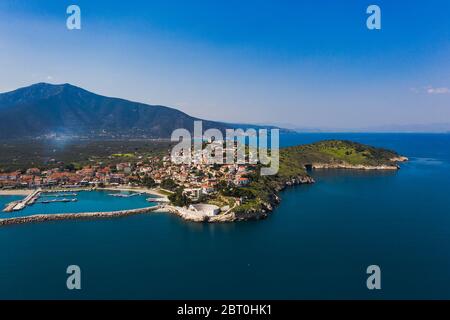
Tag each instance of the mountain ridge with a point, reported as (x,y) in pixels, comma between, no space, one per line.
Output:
(44,109)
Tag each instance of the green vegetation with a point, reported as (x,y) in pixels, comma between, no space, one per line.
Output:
(123,155)
(293,162)
(169,184)
(44,154)
(261,192)
(165,192)
(179,199)
(333,151)
(148,182)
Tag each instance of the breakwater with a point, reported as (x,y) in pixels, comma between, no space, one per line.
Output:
(75,216)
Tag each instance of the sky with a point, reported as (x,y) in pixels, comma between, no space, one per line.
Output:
(305,64)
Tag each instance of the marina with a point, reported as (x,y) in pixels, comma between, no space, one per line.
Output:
(21,204)
(34,196)
(44,202)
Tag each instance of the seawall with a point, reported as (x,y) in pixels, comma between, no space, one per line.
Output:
(75,216)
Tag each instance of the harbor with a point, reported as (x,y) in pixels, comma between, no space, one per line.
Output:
(34,198)
(38,202)
(21,204)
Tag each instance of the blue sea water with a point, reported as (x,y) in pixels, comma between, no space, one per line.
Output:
(316,244)
(98,201)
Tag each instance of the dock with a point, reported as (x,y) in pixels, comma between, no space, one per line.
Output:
(158,200)
(123,195)
(60,195)
(57,200)
(20,205)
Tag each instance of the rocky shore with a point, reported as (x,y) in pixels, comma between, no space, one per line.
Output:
(268,207)
(75,216)
(231,216)
(354,167)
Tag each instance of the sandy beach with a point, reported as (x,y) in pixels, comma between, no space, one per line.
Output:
(131,189)
(25,192)
(19,192)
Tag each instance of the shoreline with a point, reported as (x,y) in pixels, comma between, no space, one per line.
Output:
(16,192)
(229,216)
(153,192)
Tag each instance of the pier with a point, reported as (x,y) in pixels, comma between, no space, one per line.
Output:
(59,195)
(123,195)
(75,216)
(158,200)
(20,205)
(57,200)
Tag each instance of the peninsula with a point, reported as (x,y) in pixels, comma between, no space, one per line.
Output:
(196,192)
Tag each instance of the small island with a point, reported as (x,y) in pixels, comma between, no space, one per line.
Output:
(198,193)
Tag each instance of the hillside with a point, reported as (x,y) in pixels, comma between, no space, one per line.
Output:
(337,153)
(294,162)
(45,109)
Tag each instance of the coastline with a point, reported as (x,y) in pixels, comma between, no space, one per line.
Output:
(153,192)
(230,216)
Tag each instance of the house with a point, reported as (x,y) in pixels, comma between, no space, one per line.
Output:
(193,193)
(33,171)
(241,181)
(207,188)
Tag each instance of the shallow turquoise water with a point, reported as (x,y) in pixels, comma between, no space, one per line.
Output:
(317,243)
(88,201)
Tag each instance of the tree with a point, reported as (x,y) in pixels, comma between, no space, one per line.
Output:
(70,167)
(169,184)
(179,199)
(149,182)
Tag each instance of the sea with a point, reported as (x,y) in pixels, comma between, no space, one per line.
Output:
(317,244)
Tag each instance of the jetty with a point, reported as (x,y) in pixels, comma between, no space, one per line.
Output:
(57,200)
(21,204)
(158,200)
(123,195)
(75,216)
(60,195)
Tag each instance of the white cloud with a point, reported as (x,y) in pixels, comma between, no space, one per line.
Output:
(440,90)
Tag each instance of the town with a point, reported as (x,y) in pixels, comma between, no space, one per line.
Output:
(184,184)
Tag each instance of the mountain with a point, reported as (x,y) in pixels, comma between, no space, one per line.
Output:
(45,109)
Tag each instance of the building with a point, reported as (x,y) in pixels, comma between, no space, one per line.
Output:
(206,209)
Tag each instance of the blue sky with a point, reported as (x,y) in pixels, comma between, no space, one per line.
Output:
(305,63)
